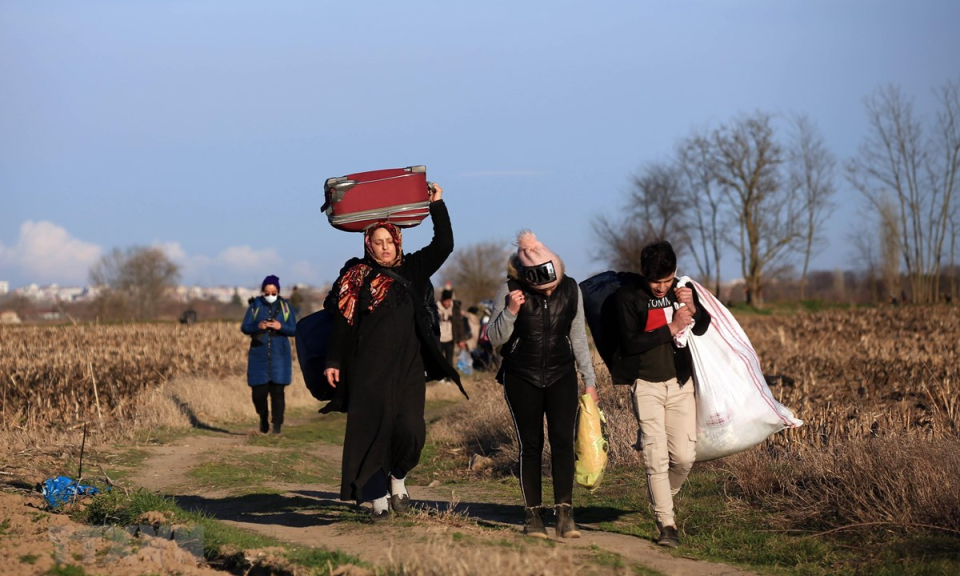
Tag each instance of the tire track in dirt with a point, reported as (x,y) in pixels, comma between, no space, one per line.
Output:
(312,514)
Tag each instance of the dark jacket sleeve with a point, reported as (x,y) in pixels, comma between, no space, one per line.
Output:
(423,263)
(341,339)
(632,320)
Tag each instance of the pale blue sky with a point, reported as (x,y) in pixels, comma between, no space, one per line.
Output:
(209,127)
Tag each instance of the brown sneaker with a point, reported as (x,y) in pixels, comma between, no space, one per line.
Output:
(533,523)
(565,525)
(669,537)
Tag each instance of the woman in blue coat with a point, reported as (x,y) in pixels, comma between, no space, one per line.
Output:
(269,321)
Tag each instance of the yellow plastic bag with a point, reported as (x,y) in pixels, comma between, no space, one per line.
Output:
(591,446)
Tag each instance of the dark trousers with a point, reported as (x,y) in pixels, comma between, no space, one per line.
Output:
(277,402)
(528,405)
(449,352)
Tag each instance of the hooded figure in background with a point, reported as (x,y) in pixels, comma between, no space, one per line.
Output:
(538,323)
(269,321)
(381,346)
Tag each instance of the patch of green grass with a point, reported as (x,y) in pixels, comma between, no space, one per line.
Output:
(235,472)
(4,527)
(436,409)
(789,307)
(160,435)
(117,508)
(320,429)
(125,464)
(320,560)
(66,570)
(717,528)
(604,558)
(29,559)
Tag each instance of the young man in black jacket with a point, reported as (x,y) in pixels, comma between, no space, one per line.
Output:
(659,368)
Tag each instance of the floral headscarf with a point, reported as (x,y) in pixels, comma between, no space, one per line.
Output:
(352,281)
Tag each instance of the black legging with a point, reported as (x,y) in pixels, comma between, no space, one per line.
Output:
(277,402)
(528,404)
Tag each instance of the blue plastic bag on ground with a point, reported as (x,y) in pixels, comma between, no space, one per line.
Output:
(62,490)
(465,363)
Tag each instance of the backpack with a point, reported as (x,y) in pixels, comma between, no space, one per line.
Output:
(600,310)
(313,333)
(312,338)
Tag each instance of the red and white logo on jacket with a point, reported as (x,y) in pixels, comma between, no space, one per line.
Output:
(659,313)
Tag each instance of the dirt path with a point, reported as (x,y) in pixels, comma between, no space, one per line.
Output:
(312,515)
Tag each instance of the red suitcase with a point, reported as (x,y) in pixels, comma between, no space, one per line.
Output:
(355,202)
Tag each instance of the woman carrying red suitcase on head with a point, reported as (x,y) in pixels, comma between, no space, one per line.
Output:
(382,343)
(538,322)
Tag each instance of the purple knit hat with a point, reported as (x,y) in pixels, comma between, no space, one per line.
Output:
(271,279)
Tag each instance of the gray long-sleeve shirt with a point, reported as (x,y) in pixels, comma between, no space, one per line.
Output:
(501,328)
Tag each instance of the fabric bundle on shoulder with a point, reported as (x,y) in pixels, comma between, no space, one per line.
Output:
(735,408)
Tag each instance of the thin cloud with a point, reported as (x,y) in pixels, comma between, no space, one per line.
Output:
(245,258)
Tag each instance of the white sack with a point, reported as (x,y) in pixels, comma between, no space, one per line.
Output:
(735,408)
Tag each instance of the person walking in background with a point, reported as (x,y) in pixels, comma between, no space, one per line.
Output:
(296,300)
(472,321)
(660,373)
(451,326)
(269,321)
(381,346)
(538,322)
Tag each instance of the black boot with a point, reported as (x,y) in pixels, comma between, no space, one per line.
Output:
(533,523)
(264,426)
(276,428)
(565,526)
(669,537)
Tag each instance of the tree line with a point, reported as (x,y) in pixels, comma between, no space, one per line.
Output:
(766,190)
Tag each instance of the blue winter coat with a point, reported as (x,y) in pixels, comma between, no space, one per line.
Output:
(269,359)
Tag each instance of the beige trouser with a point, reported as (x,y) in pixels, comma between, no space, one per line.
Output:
(667,415)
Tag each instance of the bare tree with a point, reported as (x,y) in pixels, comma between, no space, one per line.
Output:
(477,271)
(920,173)
(142,275)
(620,242)
(890,249)
(654,210)
(864,242)
(944,172)
(748,161)
(697,170)
(811,171)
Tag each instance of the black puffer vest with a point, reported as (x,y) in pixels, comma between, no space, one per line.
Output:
(539,350)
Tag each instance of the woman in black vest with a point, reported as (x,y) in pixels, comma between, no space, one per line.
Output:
(538,322)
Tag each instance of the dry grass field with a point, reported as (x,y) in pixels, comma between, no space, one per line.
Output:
(876,387)
(877,390)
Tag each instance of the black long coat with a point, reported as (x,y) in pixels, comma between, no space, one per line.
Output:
(382,359)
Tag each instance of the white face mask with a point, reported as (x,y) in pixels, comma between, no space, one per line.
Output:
(270,298)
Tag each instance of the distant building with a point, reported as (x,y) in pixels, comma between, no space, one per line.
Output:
(53,293)
(4,287)
(9,317)
(222,294)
